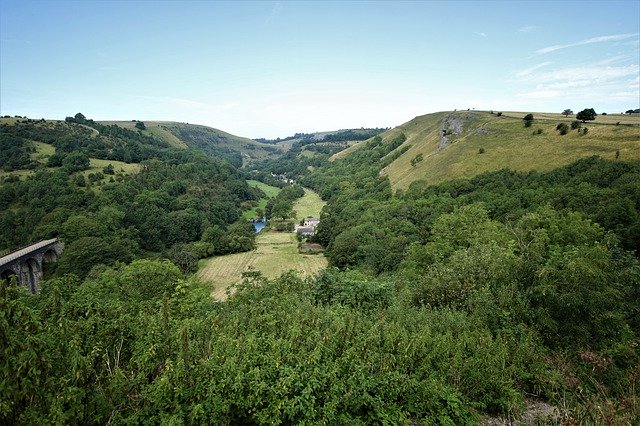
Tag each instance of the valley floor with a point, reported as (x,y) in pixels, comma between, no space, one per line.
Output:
(275,253)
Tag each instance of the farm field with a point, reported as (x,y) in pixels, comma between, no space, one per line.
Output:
(275,253)
(309,205)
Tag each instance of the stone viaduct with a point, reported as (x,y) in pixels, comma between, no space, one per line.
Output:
(26,264)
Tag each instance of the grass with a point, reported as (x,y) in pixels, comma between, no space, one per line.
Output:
(276,252)
(270,191)
(309,205)
(96,165)
(506,144)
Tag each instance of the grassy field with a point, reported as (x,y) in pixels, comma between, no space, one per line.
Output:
(308,206)
(270,191)
(276,252)
(505,143)
(44,151)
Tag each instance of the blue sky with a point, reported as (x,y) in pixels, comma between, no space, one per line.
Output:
(268,69)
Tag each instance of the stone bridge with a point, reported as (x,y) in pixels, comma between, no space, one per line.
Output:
(26,264)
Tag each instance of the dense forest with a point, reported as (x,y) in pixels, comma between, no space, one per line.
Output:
(443,304)
(182,204)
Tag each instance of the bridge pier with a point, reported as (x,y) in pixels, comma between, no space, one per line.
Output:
(26,264)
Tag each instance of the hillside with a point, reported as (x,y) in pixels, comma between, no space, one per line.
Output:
(235,149)
(478,142)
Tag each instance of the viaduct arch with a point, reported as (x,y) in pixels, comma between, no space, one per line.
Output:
(26,264)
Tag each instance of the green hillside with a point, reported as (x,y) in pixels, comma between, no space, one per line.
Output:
(235,149)
(478,142)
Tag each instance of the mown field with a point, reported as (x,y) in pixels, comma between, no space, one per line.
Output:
(276,252)
(308,206)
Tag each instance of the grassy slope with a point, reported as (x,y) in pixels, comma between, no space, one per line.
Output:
(44,151)
(308,206)
(270,191)
(506,142)
(276,252)
(169,131)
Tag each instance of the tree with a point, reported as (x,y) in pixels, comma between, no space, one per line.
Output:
(567,112)
(528,120)
(140,125)
(586,114)
(75,162)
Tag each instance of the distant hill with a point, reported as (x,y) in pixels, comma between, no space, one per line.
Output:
(235,149)
(462,144)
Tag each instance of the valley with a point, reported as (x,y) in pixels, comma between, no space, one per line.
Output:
(275,253)
(468,268)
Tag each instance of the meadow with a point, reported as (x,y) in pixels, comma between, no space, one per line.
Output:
(275,253)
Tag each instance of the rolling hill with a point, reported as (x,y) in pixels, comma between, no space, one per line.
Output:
(462,144)
(237,150)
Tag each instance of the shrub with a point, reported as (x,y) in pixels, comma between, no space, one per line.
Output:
(562,128)
(575,124)
(481,150)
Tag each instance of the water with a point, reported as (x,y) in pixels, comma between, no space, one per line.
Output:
(259,226)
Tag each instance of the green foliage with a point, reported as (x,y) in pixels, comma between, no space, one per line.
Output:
(567,112)
(587,114)
(75,162)
(415,160)
(575,124)
(562,128)
(528,120)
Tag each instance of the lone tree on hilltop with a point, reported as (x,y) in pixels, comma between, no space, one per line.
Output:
(567,112)
(528,119)
(586,114)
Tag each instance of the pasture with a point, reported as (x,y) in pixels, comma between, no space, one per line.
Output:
(276,253)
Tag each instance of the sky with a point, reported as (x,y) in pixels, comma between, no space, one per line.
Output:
(271,69)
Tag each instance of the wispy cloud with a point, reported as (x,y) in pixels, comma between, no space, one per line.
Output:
(600,39)
(530,70)
(527,29)
(481,34)
(593,82)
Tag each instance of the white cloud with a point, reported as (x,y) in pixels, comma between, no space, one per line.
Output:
(530,70)
(600,39)
(481,34)
(528,28)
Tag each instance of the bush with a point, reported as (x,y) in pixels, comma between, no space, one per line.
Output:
(562,128)
(537,132)
(575,124)
(481,150)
